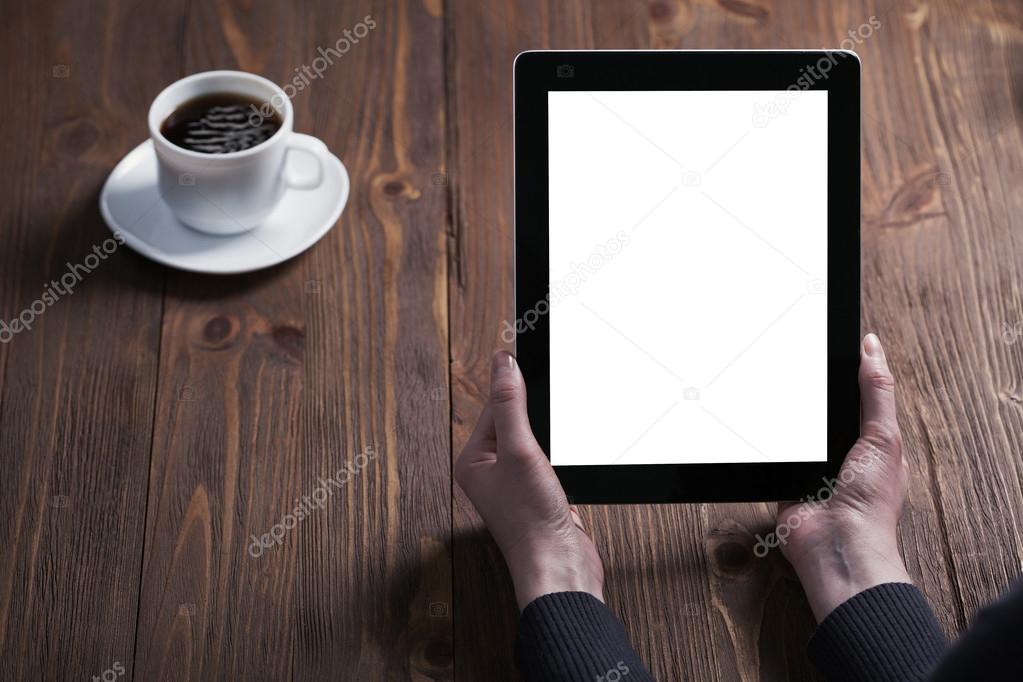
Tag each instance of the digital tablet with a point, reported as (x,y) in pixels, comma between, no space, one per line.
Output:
(688,270)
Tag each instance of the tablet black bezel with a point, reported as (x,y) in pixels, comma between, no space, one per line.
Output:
(536,73)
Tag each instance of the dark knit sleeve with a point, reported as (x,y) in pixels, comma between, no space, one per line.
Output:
(885,633)
(989,649)
(570,636)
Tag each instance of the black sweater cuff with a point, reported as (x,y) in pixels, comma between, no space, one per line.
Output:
(885,633)
(569,636)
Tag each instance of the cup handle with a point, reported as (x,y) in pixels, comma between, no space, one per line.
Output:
(312,146)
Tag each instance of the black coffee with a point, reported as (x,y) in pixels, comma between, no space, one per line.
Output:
(221,123)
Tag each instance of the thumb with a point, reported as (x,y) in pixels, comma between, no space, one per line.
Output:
(880,427)
(508,405)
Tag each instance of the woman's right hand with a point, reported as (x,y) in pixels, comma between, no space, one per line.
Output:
(849,543)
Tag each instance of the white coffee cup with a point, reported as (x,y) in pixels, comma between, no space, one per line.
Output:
(233,192)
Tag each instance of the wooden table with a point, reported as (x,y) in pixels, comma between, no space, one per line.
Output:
(153,421)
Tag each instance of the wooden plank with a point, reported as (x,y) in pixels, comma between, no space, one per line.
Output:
(293,373)
(481,41)
(895,169)
(231,372)
(384,610)
(78,388)
(944,227)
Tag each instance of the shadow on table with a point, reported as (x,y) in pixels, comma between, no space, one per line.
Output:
(484,613)
(759,608)
(681,603)
(55,250)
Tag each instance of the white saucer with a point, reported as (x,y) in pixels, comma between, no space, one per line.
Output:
(131,204)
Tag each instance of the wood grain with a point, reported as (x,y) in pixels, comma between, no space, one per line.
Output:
(696,602)
(76,404)
(153,421)
(944,279)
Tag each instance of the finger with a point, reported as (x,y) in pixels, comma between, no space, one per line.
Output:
(479,449)
(576,519)
(484,436)
(880,426)
(508,402)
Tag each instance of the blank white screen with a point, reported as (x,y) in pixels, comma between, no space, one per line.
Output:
(688,256)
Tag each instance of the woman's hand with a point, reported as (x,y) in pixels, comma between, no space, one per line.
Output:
(512,485)
(848,543)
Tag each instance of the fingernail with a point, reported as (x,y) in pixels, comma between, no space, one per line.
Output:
(872,346)
(502,362)
(578,520)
